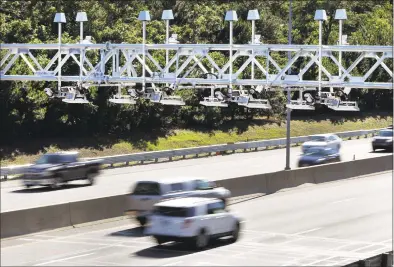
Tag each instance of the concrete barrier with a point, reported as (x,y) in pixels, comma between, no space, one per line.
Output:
(247,185)
(22,222)
(97,209)
(28,221)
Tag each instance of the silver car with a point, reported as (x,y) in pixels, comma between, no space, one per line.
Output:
(324,141)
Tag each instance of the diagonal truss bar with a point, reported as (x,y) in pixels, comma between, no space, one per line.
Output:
(154,61)
(28,63)
(213,63)
(87,61)
(337,63)
(288,65)
(385,67)
(227,65)
(170,63)
(9,65)
(7,55)
(146,66)
(64,60)
(315,60)
(373,68)
(53,60)
(355,63)
(196,59)
(260,66)
(184,65)
(274,63)
(128,64)
(77,61)
(35,61)
(244,65)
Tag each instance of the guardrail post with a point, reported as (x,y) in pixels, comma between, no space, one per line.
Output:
(156,160)
(196,155)
(244,150)
(127,163)
(184,156)
(170,158)
(5,177)
(142,162)
(256,148)
(112,165)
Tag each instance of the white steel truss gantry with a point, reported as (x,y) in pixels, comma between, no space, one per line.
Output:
(115,64)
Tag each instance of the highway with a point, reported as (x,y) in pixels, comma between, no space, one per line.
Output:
(327,224)
(120,180)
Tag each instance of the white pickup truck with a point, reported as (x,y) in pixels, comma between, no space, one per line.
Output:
(147,193)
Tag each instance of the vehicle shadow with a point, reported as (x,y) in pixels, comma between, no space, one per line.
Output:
(132,232)
(48,189)
(174,249)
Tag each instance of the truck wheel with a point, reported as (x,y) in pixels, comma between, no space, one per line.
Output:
(201,241)
(142,221)
(160,240)
(235,233)
(90,178)
(57,182)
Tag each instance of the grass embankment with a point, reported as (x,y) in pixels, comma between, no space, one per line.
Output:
(240,131)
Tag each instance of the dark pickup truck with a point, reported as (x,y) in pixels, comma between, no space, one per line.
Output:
(56,169)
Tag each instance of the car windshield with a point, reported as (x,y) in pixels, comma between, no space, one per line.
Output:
(386,133)
(317,152)
(174,211)
(317,138)
(147,189)
(49,159)
(204,185)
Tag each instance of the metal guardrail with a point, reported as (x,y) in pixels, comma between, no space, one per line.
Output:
(183,152)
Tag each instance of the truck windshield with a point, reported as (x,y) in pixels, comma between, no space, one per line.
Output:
(48,159)
(55,159)
(147,189)
(386,133)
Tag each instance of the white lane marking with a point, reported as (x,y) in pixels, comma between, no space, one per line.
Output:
(64,259)
(67,236)
(209,264)
(172,263)
(307,231)
(343,200)
(28,239)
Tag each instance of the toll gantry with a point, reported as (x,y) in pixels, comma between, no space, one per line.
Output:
(137,70)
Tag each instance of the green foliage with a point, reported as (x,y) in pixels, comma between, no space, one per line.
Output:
(26,112)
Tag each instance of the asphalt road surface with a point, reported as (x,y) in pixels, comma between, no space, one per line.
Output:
(119,181)
(319,225)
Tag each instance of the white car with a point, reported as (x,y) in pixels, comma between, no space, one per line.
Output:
(148,193)
(193,220)
(323,140)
